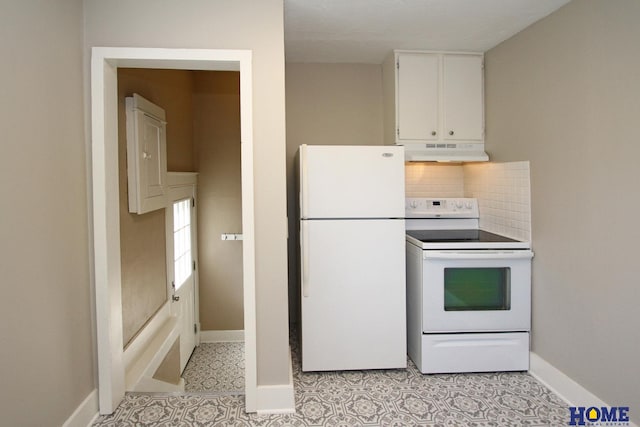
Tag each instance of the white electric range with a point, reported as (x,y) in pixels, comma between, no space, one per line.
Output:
(468,290)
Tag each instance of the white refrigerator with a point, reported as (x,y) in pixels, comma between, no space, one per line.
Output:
(352,257)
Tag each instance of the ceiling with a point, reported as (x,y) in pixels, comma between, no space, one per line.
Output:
(365,31)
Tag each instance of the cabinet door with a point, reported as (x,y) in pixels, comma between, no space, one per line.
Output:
(417,97)
(463,106)
(146,155)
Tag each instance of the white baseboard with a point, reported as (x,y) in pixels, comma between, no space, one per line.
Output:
(277,399)
(86,413)
(566,388)
(221,336)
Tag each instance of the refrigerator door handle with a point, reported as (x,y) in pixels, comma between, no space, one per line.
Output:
(305,257)
(304,182)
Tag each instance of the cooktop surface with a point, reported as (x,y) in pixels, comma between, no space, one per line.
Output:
(446,236)
(462,239)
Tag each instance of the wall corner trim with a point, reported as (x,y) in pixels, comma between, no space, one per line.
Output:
(86,413)
(277,399)
(562,385)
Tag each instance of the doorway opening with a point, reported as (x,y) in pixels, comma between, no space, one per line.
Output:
(104,65)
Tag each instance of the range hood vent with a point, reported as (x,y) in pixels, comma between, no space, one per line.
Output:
(445,152)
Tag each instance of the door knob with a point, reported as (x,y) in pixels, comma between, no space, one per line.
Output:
(450,132)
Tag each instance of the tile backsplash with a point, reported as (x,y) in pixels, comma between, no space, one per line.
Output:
(433,180)
(503,191)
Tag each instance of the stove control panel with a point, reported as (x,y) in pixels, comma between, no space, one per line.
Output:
(419,207)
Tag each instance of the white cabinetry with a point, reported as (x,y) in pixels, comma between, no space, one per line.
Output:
(433,97)
(146,155)
(417,97)
(462,97)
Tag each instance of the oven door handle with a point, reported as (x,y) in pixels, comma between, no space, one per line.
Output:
(478,255)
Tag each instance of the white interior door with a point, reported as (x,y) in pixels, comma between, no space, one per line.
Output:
(181,243)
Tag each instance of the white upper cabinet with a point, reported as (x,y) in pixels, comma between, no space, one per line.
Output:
(433,97)
(462,97)
(417,97)
(146,155)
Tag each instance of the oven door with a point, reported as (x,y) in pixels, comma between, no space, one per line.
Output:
(476,290)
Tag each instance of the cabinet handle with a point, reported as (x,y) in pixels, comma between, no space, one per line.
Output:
(450,132)
(433,133)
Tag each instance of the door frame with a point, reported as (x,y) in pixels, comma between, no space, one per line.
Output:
(105,214)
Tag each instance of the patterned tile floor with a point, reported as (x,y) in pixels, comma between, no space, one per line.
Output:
(216,367)
(363,398)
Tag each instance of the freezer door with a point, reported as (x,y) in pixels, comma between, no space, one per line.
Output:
(353,295)
(351,181)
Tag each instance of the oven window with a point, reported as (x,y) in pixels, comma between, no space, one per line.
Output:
(476,289)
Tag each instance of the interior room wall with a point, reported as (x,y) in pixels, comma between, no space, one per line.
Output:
(327,104)
(216,103)
(230,24)
(172,90)
(169,369)
(563,94)
(46,355)
(142,237)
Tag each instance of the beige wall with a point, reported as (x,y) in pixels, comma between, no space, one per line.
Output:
(333,104)
(327,104)
(142,237)
(216,101)
(564,94)
(171,90)
(169,369)
(230,24)
(46,351)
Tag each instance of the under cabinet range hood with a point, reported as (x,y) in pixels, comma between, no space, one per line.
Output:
(445,152)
